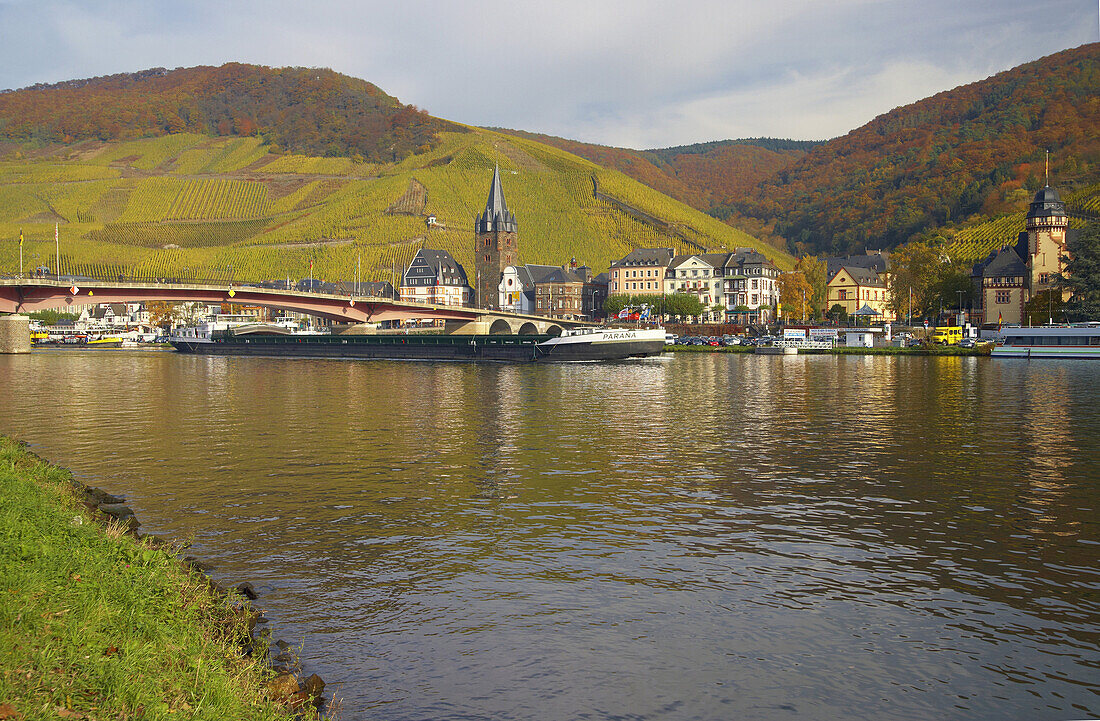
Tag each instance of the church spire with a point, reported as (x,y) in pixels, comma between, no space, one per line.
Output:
(496,216)
(495,206)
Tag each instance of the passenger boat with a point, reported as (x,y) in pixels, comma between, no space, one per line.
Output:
(1067,341)
(587,344)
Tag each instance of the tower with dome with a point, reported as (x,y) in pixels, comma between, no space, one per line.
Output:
(1010,277)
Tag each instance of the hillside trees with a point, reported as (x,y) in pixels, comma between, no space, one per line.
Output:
(1082,274)
(305,110)
(940,160)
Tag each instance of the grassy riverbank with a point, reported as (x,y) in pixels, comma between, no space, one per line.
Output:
(982,350)
(95,624)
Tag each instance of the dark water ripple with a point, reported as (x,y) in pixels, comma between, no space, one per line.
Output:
(694,537)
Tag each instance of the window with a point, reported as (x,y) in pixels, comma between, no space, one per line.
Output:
(1003,296)
(754,283)
(842,295)
(1044,278)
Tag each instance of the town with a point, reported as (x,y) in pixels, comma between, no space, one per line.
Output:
(739,291)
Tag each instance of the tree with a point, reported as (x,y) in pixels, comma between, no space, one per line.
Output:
(837,313)
(933,278)
(1044,305)
(51,317)
(813,268)
(795,292)
(683,304)
(1082,274)
(163,314)
(617,301)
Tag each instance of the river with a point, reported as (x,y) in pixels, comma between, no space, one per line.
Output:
(698,536)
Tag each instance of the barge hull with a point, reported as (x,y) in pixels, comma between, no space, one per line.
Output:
(447,348)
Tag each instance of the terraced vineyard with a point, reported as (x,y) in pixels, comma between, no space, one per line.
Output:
(975,242)
(191,206)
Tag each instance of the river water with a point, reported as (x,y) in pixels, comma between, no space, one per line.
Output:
(691,537)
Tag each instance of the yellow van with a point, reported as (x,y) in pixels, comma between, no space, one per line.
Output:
(947,335)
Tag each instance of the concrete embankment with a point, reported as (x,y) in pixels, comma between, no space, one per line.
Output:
(97,623)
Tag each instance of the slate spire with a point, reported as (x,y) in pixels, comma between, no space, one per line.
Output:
(496,216)
(496,206)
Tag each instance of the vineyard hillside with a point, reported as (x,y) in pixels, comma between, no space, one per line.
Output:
(195,206)
(971,243)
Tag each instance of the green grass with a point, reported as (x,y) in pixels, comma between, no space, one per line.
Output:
(95,624)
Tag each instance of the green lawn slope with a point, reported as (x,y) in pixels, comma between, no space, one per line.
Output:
(193,206)
(97,625)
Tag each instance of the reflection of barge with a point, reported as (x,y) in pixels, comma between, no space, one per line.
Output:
(1076,341)
(577,345)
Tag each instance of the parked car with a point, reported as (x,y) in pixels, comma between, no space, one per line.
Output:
(968,343)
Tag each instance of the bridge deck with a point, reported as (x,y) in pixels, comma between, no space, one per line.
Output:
(25,295)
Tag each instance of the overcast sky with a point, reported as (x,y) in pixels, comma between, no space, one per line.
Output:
(630,73)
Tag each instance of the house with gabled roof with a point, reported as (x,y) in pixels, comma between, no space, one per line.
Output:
(435,277)
(859,289)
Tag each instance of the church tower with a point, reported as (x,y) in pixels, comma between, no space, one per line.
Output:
(496,245)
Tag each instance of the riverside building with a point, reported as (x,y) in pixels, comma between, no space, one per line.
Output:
(435,277)
(1010,277)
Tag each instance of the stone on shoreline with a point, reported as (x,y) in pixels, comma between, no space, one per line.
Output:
(283,686)
(313,686)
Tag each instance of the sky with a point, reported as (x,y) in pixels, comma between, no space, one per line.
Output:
(629,73)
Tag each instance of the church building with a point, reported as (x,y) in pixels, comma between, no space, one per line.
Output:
(496,246)
(1010,277)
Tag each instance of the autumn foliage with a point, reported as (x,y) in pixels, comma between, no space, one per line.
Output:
(961,156)
(304,110)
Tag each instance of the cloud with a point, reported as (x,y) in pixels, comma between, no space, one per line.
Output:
(646,73)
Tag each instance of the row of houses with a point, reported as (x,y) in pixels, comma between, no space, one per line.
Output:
(741,281)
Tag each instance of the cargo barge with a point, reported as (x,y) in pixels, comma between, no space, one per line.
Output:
(589,344)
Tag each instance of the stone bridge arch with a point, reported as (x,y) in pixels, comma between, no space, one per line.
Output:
(528,328)
(500,326)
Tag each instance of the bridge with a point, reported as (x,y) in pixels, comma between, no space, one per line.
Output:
(26,295)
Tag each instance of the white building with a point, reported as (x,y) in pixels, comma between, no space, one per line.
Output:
(435,277)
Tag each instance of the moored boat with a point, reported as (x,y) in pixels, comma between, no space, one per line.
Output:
(1049,341)
(588,344)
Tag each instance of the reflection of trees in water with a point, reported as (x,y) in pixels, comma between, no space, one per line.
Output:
(1050,447)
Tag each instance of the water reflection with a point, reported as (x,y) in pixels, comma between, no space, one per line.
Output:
(700,536)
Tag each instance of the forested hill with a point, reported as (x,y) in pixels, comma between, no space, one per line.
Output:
(304,110)
(704,175)
(963,155)
(968,153)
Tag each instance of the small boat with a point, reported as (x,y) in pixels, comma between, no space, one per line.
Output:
(1049,341)
(104,342)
